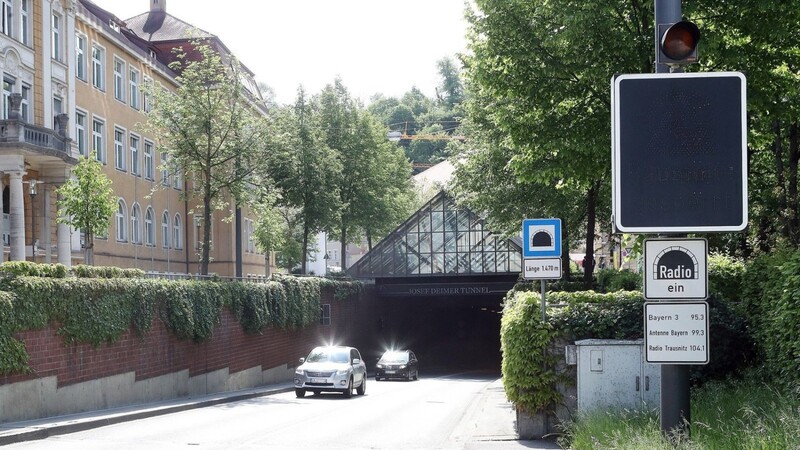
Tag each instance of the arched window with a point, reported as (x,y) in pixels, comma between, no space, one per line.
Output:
(136,224)
(122,221)
(177,232)
(165,229)
(149,227)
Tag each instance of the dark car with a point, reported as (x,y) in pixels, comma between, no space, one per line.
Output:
(397,364)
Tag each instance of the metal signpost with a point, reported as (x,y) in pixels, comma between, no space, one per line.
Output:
(679,165)
(541,253)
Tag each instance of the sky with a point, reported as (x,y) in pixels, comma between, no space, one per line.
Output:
(375,46)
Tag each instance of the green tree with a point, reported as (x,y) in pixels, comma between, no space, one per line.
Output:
(539,73)
(388,197)
(305,170)
(373,169)
(87,202)
(211,130)
(450,91)
(769,56)
(271,230)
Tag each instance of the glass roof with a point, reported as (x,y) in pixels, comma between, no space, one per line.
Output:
(440,239)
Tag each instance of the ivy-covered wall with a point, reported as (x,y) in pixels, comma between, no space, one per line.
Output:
(80,327)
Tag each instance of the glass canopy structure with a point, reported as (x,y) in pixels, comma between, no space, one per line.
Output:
(440,240)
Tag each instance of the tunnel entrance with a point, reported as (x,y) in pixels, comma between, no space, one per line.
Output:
(452,325)
(448,335)
(440,280)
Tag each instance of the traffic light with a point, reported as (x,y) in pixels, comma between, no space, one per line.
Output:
(677,43)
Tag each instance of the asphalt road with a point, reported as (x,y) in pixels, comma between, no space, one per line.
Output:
(431,413)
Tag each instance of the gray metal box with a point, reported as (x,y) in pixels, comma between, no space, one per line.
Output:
(613,374)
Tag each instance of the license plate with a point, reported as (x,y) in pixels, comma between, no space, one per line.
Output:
(390,371)
(318,380)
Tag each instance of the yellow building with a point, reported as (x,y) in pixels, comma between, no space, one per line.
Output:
(74,78)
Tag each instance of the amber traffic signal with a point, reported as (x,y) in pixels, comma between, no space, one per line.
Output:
(678,43)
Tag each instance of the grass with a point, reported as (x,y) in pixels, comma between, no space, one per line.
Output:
(732,415)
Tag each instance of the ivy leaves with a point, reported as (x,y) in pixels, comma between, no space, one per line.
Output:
(100,310)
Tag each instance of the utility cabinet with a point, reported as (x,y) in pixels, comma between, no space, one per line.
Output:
(614,374)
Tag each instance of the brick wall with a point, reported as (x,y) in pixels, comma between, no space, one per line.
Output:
(159,352)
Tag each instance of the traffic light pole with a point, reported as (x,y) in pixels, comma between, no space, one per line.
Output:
(667,11)
(675,401)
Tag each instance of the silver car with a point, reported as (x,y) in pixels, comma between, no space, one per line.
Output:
(331,369)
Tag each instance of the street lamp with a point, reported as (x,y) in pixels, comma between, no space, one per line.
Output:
(32,191)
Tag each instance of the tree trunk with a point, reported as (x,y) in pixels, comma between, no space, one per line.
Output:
(780,191)
(304,257)
(89,249)
(369,241)
(206,250)
(565,259)
(343,253)
(794,156)
(591,218)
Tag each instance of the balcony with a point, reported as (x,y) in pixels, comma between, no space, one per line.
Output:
(36,140)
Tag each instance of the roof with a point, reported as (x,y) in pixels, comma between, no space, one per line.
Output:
(441,239)
(116,27)
(159,26)
(438,175)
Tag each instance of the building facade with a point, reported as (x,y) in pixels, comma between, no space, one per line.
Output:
(75,85)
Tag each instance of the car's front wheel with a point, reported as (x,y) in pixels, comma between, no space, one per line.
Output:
(300,393)
(349,391)
(363,388)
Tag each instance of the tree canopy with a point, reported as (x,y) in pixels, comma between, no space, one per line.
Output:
(87,202)
(210,130)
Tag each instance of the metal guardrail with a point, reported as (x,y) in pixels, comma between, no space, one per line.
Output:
(212,277)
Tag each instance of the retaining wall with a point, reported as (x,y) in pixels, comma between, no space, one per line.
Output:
(158,366)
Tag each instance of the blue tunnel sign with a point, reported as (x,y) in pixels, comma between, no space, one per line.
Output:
(541,238)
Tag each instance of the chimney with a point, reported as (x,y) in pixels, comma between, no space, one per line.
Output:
(158,5)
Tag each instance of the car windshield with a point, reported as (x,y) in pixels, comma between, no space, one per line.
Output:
(328,354)
(394,357)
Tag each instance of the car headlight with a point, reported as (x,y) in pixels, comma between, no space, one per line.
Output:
(299,371)
(379,366)
(403,366)
(342,371)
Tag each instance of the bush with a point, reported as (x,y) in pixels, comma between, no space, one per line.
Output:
(770,303)
(528,378)
(612,280)
(725,277)
(84,271)
(27,268)
(781,325)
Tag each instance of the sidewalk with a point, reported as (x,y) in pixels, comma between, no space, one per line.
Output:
(71,423)
(489,424)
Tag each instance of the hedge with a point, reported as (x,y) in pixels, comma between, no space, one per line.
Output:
(771,304)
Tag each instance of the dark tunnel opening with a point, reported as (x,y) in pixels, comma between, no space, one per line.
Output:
(448,334)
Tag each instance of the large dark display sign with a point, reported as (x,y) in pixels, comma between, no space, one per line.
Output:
(679,152)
